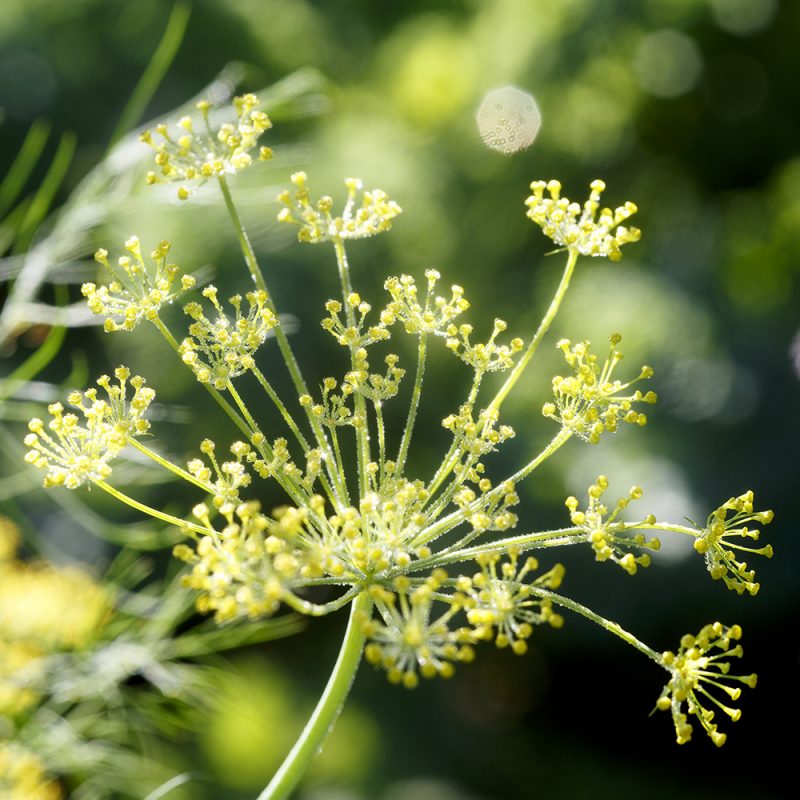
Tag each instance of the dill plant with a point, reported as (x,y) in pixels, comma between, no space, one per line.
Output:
(430,567)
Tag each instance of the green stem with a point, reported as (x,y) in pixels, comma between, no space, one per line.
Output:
(544,326)
(328,708)
(221,402)
(152,512)
(362,430)
(611,627)
(528,541)
(412,409)
(283,342)
(168,465)
(457,517)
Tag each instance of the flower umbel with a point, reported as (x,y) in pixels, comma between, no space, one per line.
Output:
(606,534)
(316,223)
(716,542)
(590,403)
(503,606)
(410,643)
(73,453)
(695,667)
(222,349)
(580,229)
(197,155)
(139,288)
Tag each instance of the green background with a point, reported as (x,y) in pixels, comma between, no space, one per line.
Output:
(687,107)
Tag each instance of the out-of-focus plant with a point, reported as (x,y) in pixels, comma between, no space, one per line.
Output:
(396,547)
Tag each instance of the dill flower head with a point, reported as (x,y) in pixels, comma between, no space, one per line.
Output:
(222,349)
(200,152)
(241,570)
(590,402)
(74,453)
(606,534)
(139,288)
(317,224)
(22,776)
(503,606)
(434,315)
(411,641)
(581,229)
(700,667)
(717,542)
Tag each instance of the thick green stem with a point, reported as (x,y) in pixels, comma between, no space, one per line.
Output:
(544,326)
(328,708)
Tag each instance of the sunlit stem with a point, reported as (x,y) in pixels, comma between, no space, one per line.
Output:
(457,517)
(362,430)
(328,708)
(522,543)
(258,278)
(381,435)
(608,625)
(220,400)
(168,465)
(152,512)
(316,610)
(663,526)
(451,458)
(544,326)
(332,491)
(416,393)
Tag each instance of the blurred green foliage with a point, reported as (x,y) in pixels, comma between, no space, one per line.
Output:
(680,105)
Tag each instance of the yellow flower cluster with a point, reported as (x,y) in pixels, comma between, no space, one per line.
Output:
(725,524)
(197,155)
(489,357)
(73,453)
(29,626)
(697,670)
(220,350)
(410,641)
(434,316)
(589,403)
(577,228)
(138,289)
(373,216)
(22,776)
(606,535)
(501,605)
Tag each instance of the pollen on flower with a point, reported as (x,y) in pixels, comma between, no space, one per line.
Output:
(433,316)
(198,152)
(580,229)
(411,641)
(317,224)
(74,453)
(591,402)
(489,357)
(139,287)
(503,606)
(221,349)
(718,542)
(700,667)
(241,570)
(607,535)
